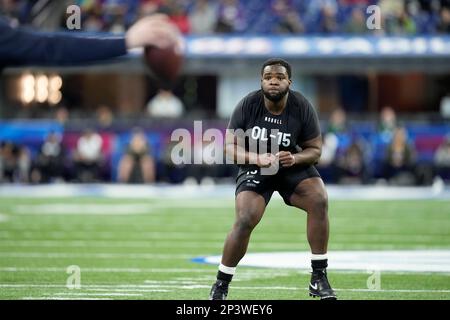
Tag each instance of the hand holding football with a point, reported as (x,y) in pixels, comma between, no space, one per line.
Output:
(164,63)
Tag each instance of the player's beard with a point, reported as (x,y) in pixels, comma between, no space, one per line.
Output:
(275,97)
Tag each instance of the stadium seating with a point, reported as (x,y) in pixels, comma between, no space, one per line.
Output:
(426,138)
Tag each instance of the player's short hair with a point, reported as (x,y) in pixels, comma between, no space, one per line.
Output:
(277,62)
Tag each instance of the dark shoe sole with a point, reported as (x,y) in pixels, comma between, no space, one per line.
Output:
(314,295)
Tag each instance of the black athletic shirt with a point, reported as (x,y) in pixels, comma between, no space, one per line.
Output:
(296,124)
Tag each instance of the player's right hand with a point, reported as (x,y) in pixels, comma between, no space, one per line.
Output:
(265,160)
(155,30)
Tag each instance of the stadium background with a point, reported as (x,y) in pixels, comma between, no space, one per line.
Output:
(383,98)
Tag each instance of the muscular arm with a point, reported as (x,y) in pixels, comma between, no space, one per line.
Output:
(235,151)
(310,153)
(22,47)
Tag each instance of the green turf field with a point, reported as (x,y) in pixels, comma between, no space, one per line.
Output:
(138,249)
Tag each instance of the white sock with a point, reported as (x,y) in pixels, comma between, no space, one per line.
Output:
(227,270)
(319,256)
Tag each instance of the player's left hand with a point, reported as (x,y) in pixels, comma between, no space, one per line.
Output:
(286,158)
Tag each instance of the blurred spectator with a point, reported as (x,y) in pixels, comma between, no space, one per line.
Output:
(444,23)
(315,7)
(203,17)
(92,21)
(178,16)
(62,115)
(328,22)
(115,13)
(230,17)
(288,20)
(406,25)
(8,161)
(338,121)
(149,7)
(137,164)
(165,104)
(351,165)
(329,148)
(24,164)
(117,24)
(356,2)
(49,163)
(387,123)
(167,170)
(88,156)
(10,9)
(15,163)
(391,12)
(327,161)
(279,7)
(391,8)
(400,159)
(290,23)
(442,159)
(357,22)
(105,117)
(208,170)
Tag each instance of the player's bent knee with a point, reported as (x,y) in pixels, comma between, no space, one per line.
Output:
(246,222)
(321,203)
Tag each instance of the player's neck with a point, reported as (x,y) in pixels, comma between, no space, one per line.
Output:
(276,107)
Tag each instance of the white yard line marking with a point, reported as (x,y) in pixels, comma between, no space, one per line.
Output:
(385,261)
(104,235)
(127,290)
(111,209)
(141,288)
(149,231)
(145,244)
(108,244)
(117,294)
(51,255)
(124,270)
(61,298)
(60,286)
(82,209)
(241,276)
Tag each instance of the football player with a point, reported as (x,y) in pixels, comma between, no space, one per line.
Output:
(274,137)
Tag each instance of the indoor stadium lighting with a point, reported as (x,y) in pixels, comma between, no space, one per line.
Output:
(55,83)
(27,84)
(54,97)
(41,88)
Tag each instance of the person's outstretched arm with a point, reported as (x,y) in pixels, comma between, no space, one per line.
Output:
(23,47)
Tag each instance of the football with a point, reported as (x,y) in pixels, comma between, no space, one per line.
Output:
(165,64)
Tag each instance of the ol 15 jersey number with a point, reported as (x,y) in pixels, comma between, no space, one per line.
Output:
(262,134)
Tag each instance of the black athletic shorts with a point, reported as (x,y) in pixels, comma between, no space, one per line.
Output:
(284,181)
